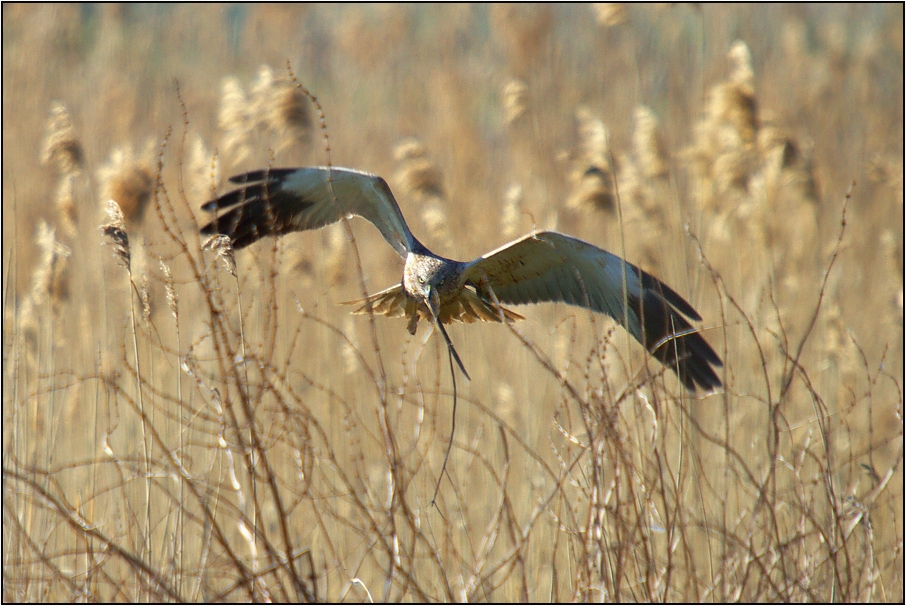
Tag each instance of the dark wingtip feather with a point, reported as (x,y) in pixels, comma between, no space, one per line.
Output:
(264,174)
(237,196)
(649,282)
(675,343)
(690,356)
(257,209)
(241,230)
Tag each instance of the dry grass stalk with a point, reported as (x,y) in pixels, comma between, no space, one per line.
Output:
(144,296)
(223,250)
(129,180)
(172,297)
(49,280)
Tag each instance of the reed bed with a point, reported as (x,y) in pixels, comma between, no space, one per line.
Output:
(185,422)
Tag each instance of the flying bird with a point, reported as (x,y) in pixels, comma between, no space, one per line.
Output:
(542,266)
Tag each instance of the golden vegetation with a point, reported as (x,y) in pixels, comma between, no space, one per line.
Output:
(185,422)
(273,108)
(129,181)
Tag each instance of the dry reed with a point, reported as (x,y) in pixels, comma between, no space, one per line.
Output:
(286,455)
(129,180)
(273,108)
(593,172)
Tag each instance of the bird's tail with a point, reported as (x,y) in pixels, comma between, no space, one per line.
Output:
(468,307)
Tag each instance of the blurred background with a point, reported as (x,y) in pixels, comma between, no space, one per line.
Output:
(720,148)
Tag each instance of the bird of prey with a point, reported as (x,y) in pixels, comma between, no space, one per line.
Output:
(542,266)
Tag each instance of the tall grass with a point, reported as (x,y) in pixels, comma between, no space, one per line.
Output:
(177,429)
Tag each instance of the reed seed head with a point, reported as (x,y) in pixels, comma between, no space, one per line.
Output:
(743,75)
(592,175)
(172,297)
(273,106)
(418,175)
(114,232)
(61,146)
(129,180)
(515,96)
(610,14)
(650,151)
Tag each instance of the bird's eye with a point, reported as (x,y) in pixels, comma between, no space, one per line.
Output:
(421,280)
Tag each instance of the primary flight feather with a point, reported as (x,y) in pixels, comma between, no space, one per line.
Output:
(544,266)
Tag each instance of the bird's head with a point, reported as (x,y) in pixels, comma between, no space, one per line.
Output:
(425,277)
(418,285)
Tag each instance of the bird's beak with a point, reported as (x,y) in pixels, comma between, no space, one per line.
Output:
(433,302)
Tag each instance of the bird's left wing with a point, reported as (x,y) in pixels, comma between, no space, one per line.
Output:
(550,266)
(277,201)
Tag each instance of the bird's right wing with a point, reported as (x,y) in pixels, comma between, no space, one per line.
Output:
(550,266)
(276,201)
